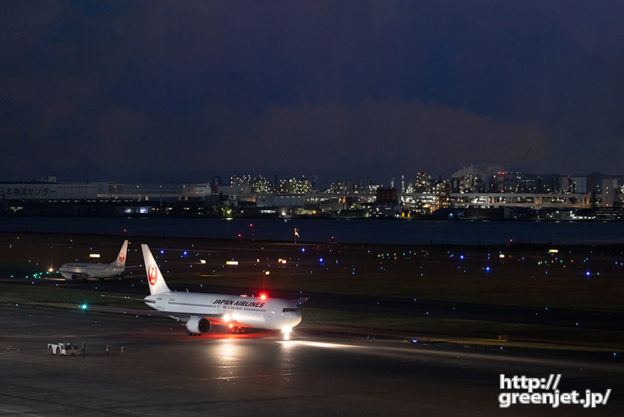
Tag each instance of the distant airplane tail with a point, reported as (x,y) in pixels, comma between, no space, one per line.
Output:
(120,261)
(155,279)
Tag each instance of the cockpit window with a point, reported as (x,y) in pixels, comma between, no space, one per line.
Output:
(286,310)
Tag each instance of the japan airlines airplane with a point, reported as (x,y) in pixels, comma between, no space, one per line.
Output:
(101,271)
(200,310)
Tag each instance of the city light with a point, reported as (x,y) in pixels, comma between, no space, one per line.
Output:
(547,196)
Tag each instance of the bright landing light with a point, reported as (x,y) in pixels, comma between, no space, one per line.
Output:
(287,331)
(324,345)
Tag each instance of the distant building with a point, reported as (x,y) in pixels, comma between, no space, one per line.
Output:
(338,187)
(52,191)
(423,183)
(280,200)
(240,181)
(261,185)
(295,186)
(467,184)
(442,191)
(387,196)
(579,184)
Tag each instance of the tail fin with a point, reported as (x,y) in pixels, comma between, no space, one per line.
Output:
(156,281)
(120,261)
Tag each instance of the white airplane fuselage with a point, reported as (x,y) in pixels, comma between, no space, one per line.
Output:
(86,270)
(273,314)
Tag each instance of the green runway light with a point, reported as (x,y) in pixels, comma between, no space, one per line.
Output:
(83,307)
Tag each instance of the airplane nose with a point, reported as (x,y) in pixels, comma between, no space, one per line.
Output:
(298,318)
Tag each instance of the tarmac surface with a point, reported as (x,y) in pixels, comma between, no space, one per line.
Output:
(162,371)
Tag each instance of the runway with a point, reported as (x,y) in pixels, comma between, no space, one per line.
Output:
(165,372)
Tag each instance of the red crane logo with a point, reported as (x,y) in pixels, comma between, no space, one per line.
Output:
(152,274)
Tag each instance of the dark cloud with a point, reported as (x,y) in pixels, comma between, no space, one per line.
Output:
(182,90)
(390,136)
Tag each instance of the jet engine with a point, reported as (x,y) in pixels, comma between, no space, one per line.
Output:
(198,325)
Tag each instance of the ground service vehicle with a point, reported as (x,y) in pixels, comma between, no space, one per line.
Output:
(66,349)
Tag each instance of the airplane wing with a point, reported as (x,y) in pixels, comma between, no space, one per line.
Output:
(183,317)
(125,297)
(134,267)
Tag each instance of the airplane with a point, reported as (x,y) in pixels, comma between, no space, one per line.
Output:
(93,270)
(200,311)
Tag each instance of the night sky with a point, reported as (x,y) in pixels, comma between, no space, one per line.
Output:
(184,90)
